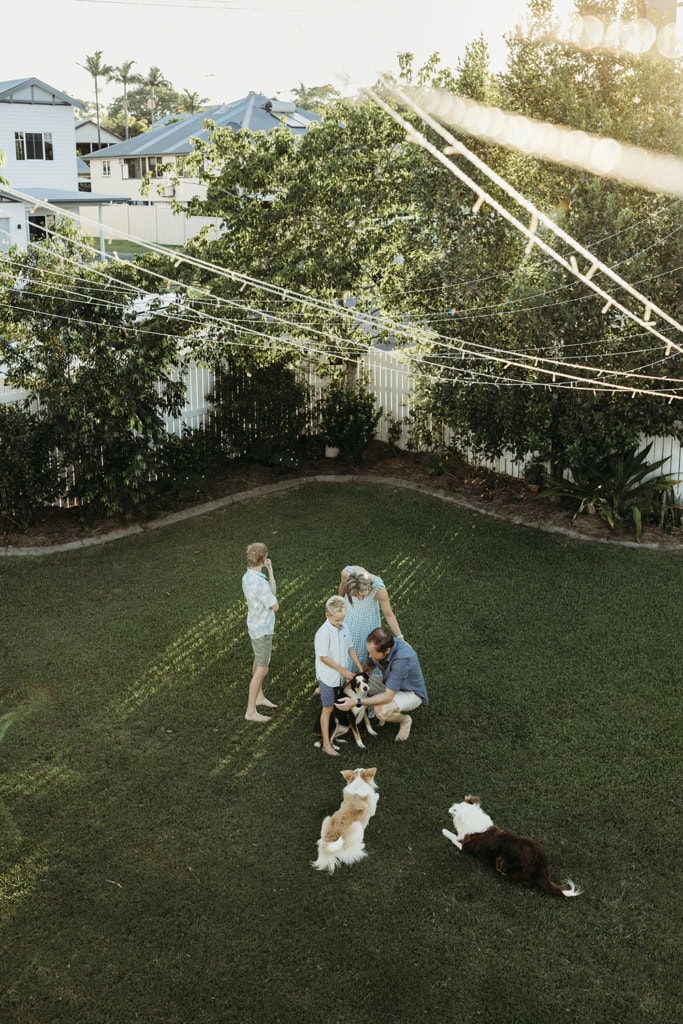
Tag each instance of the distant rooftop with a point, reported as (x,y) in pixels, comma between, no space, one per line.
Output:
(172,134)
(28,90)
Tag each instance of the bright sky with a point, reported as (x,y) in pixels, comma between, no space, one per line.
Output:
(222,49)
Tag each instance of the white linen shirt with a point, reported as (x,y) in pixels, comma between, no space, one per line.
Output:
(260,601)
(334,644)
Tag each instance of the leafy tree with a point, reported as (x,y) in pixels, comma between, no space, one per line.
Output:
(148,101)
(489,292)
(123,75)
(97,68)
(315,98)
(316,213)
(192,102)
(154,80)
(104,374)
(120,124)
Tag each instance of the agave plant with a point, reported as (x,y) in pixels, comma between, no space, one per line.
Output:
(617,486)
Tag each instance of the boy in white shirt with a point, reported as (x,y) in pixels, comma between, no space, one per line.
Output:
(333,648)
(261,607)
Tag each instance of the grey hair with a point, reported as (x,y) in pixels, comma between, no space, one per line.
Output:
(358,584)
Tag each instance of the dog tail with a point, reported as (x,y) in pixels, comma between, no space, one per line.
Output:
(547,885)
(327,855)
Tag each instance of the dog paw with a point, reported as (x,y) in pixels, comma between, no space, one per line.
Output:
(361,745)
(371,732)
(451,838)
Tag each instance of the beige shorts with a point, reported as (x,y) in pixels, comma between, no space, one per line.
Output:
(406,700)
(263,648)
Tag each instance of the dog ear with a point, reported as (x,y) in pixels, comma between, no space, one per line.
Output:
(348,775)
(369,773)
(473,800)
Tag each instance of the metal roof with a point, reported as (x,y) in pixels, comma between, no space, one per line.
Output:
(62,196)
(12,86)
(256,112)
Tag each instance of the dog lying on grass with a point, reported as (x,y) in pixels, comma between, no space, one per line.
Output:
(342,833)
(342,722)
(519,858)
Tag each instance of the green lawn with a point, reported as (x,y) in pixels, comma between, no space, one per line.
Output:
(124,246)
(155,852)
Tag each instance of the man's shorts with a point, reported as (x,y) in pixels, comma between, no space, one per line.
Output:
(263,648)
(406,700)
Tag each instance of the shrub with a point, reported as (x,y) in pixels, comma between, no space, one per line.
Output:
(188,463)
(615,488)
(261,412)
(349,416)
(29,470)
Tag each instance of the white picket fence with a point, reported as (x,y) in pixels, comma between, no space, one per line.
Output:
(390,379)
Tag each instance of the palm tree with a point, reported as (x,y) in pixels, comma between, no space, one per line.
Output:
(315,96)
(191,101)
(95,67)
(153,80)
(124,76)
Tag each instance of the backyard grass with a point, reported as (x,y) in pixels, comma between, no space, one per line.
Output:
(124,246)
(155,853)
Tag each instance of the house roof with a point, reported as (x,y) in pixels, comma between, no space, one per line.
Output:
(104,131)
(62,197)
(255,111)
(14,85)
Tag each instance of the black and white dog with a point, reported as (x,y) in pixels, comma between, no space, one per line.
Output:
(342,722)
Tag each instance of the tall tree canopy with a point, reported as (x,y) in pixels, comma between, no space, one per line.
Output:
(352,212)
(320,214)
(98,69)
(124,75)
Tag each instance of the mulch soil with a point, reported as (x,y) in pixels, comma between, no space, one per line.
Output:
(504,496)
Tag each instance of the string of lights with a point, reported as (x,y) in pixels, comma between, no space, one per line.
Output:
(520,360)
(537,217)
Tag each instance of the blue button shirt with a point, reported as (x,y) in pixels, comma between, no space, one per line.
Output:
(401,670)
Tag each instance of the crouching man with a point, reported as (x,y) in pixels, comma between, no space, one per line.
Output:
(404,685)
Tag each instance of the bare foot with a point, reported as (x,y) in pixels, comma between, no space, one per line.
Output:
(263,702)
(256,717)
(332,752)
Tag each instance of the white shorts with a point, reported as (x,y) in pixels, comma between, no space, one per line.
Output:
(406,700)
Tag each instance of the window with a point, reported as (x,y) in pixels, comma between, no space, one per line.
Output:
(85,148)
(106,168)
(156,166)
(134,167)
(139,166)
(33,146)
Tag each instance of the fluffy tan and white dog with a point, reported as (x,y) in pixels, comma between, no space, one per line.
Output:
(519,858)
(341,836)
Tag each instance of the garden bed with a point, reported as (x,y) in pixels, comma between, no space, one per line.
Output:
(505,496)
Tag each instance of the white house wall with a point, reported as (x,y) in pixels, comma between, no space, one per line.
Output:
(59,172)
(88,133)
(13,226)
(161,190)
